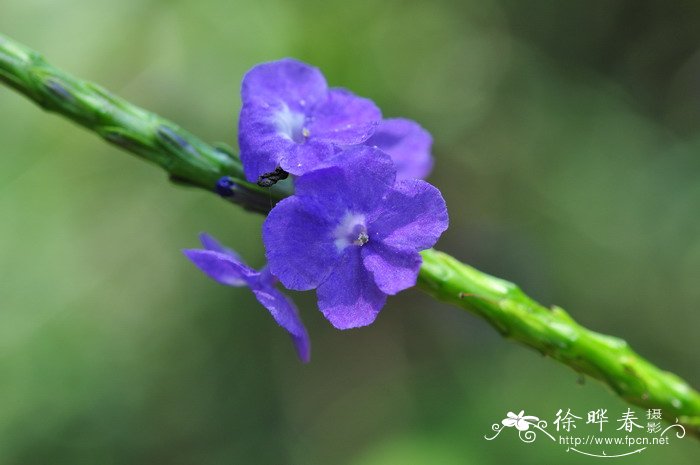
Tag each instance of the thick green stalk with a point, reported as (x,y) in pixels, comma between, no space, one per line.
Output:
(553,333)
(187,159)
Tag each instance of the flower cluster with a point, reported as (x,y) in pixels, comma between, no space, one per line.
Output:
(360,213)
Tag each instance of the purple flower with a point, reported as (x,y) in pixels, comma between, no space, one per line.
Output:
(291,119)
(353,233)
(408,145)
(226,267)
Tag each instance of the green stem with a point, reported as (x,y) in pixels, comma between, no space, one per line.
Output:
(188,159)
(185,157)
(553,333)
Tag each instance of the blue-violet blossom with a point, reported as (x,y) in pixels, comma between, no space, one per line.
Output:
(353,233)
(408,145)
(290,119)
(226,267)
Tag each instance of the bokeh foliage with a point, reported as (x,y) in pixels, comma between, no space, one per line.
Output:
(566,134)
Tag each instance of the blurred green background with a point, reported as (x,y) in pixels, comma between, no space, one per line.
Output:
(566,135)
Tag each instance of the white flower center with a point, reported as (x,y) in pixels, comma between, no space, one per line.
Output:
(351,231)
(290,124)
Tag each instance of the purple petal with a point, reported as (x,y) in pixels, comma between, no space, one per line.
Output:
(349,298)
(302,158)
(286,315)
(370,173)
(326,192)
(392,270)
(361,177)
(266,278)
(344,118)
(222,267)
(209,242)
(297,84)
(413,218)
(408,144)
(298,244)
(270,136)
(261,142)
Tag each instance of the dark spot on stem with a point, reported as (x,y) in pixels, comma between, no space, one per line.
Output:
(225,187)
(238,193)
(58,90)
(170,137)
(117,138)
